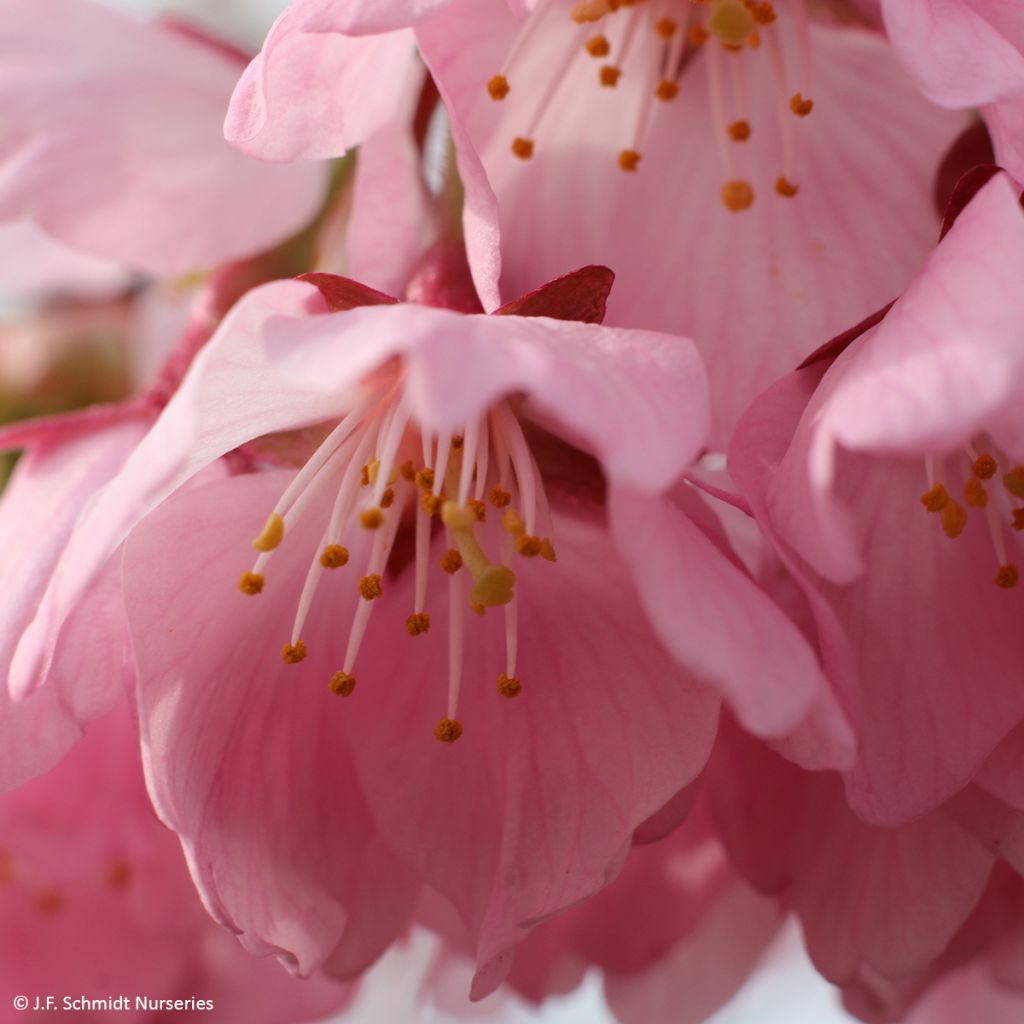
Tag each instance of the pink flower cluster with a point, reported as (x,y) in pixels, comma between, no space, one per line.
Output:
(570,500)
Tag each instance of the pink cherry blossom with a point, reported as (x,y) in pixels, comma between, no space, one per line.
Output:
(968,53)
(112,142)
(917,606)
(416,402)
(618,176)
(97,901)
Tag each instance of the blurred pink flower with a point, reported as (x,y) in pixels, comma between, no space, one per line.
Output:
(918,607)
(97,901)
(113,143)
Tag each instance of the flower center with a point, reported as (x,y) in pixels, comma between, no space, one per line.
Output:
(996,493)
(652,42)
(382,466)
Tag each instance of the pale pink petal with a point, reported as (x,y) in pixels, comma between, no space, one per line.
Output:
(712,616)
(970,994)
(770,283)
(315,93)
(703,971)
(635,399)
(363,17)
(252,770)
(391,220)
(959,53)
(113,143)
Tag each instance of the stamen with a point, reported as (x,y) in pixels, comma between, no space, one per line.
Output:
(667,90)
(785,187)
(370,587)
(417,623)
(739,131)
(974,493)
(371,518)
(451,561)
(251,583)
(294,653)
(342,684)
(334,556)
(731,21)
(271,535)
(1007,577)
(984,467)
(800,106)
(1014,481)
(609,76)
(629,159)
(509,686)
(498,87)
(737,195)
(522,148)
(448,730)
(598,46)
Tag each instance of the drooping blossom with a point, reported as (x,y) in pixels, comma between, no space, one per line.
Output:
(968,54)
(594,132)
(891,479)
(113,142)
(97,903)
(446,466)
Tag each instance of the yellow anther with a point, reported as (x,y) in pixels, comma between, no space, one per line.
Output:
(629,159)
(498,87)
(49,902)
(528,546)
(974,493)
(457,442)
(387,499)
(294,653)
(737,195)
(458,517)
(935,499)
(120,875)
(1014,481)
(764,13)
(370,587)
(984,467)
(451,561)
(522,148)
(407,470)
(598,46)
(667,90)
(953,517)
(417,623)
(448,730)
(251,582)
(785,187)
(730,21)
(371,518)
(696,35)
(666,28)
(342,684)
(272,534)
(334,556)
(430,503)
(477,609)
(509,686)
(547,550)
(1007,577)
(425,478)
(369,473)
(739,131)
(499,498)
(479,509)
(800,106)
(609,76)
